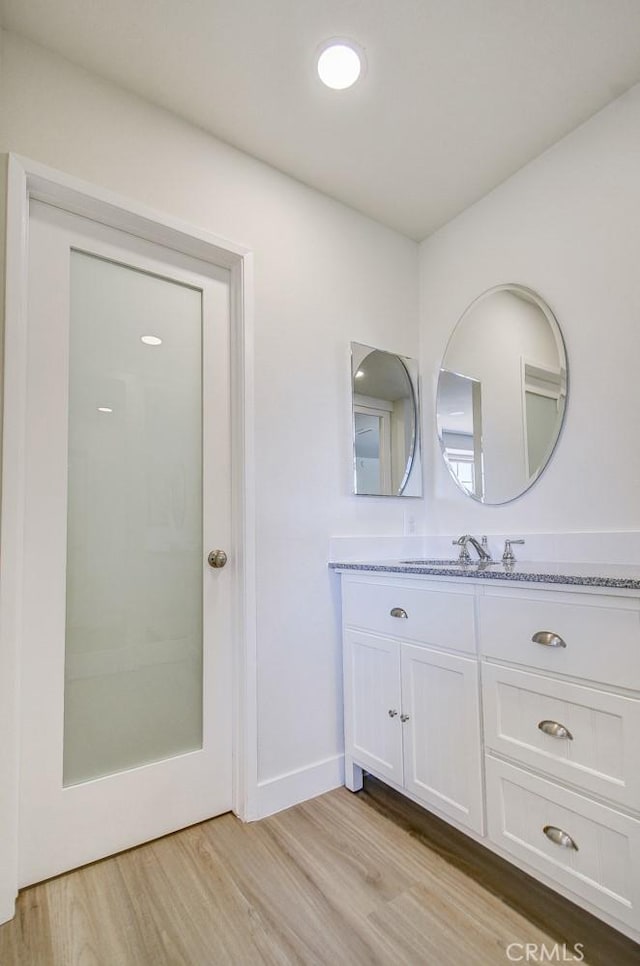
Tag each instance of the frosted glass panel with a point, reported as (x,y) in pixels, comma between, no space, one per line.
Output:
(133,665)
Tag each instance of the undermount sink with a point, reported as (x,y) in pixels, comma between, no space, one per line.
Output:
(452,563)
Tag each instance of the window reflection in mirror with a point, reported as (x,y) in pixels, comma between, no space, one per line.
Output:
(501,394)
(460,428)
(385,423)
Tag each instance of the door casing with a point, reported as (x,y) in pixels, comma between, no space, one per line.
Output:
(28,180)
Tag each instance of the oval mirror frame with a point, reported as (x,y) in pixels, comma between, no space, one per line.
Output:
(385,423)
(532,378)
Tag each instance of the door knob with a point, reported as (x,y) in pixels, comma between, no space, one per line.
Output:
(217,559)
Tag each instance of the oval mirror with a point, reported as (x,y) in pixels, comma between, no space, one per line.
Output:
(385,423)
(502,393)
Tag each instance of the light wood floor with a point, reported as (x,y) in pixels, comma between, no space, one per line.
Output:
(344,879)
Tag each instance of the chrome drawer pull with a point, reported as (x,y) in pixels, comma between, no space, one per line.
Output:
(398,612)
(548,638)
(404,717)
(392,713)
(555,729)
(558,837)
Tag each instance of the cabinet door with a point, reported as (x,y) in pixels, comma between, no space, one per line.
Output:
(373,730)
(442,746)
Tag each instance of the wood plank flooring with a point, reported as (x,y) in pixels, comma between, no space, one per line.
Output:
(361,880)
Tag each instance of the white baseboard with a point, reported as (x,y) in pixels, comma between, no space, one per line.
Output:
(7,905)
(281,792)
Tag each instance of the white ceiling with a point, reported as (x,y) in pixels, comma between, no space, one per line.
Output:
(458,93)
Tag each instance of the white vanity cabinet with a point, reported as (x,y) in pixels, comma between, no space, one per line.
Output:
(411,684)
(511,710)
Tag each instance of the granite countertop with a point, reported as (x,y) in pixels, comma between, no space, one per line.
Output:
(623,576)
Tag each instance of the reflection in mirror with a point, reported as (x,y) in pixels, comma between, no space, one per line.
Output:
(462,429)
(501,394)
(385,423)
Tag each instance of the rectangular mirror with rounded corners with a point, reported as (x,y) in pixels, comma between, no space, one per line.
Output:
(386,423)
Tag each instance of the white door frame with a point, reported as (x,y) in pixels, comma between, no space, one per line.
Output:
(25,180)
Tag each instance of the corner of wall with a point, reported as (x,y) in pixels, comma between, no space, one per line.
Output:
(4,168)
(7,697)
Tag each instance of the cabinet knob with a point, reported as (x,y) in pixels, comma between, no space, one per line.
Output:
(398,612)
(558,837)
(392,713)
(555,729)
(548,638)
(404,717)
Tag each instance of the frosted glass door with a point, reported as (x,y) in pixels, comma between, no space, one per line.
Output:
(133,657)
(126,646)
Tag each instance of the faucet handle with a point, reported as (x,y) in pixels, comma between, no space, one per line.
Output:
(508,556)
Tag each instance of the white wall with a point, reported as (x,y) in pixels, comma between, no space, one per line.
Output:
(568,226)
(324,275)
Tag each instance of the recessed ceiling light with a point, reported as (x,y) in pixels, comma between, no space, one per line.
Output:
(340,63)
(150,340)
(104,409)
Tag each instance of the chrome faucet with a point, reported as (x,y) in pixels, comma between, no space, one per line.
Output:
(482,549)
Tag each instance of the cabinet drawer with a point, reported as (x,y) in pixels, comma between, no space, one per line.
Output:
(601,643)
(595,746)
(443,617)
(605,869)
